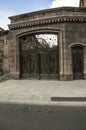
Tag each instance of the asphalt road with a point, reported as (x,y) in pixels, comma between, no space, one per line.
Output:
(39,117)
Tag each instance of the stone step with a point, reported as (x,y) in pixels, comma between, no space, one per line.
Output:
(79,99)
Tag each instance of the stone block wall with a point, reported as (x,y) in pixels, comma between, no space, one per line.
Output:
(70,25)
(4,53)
(75,35)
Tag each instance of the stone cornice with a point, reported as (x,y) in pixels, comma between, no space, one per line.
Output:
(49,11)
(47,21)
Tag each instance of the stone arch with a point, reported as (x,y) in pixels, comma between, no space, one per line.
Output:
(41,30)
(77,44)
(49,31)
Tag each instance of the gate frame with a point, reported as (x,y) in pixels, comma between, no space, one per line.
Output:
(59,33)
(84,59)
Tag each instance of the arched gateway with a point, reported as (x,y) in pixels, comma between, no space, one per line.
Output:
(39,56)
(47,44)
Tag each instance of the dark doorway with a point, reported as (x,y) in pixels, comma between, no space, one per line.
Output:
(77,62)
(39,57)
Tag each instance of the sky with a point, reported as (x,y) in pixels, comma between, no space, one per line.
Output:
(15,7)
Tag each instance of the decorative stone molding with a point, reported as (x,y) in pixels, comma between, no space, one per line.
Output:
(75,44)
(47,21)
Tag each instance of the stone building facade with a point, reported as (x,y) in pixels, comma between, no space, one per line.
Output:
(23,56)
(4,52)
(82,3)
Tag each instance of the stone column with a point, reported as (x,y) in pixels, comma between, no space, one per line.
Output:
(6,55)
(65,59)
(82,3)
(13,56)
(61,62)
(84,63)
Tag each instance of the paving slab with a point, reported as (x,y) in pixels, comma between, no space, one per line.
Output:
(39,92)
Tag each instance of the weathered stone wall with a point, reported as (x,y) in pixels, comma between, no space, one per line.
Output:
(4,53)
(14,43)
(75,34)
(68,23)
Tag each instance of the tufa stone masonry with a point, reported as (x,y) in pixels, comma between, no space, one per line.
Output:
(24,55)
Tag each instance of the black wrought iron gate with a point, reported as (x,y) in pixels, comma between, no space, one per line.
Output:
(39,58)
(39,64)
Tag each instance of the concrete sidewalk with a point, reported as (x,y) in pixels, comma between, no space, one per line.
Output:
(40,92)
